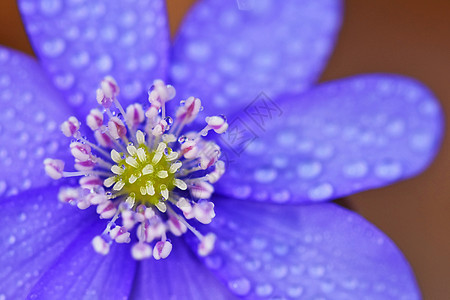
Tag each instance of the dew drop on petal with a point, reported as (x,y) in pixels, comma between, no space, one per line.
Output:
(240,286)
(321,191)
(388,169)
(265,175)
(309,170)
(264,290)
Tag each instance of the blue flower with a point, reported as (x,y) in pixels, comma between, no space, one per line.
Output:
(290,142)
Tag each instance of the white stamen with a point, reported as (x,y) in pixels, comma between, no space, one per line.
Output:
(141,154)
(157,158)
(184,205)
(108,182)
(161,206)
(115,156)
(100,245)
(180,184)
(54,168)
(117,170)
(119,185)
(70,127)
(95,119)
(162,174)
(140,137)
(141,250)
(175,167)
(120,234)
(143,190)
(164,191)
(132,161)
(172,156)
(148,169)
(132,179)
(162,249)
(131,150)
(150,189)
(207,244)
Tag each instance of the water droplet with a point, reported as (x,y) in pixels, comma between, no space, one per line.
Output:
(264,290)
(281,249)
(252,264)
(22,217)
(80,59)
(321,192)
(5,80)
(310,169)
(3,187)
(279,271)
(53,48)
(4,55)
(128,18)
(295,291)
(388,169)
(11,239)
(128,39)
(265,175)
(350,284)
(286,138)
(356,169)
(50,7)
(281,196)
(109,33)
(104,63)
(396,128)
(324,151)
(148,61)
(258,243)
(198,50)
(429,108)
(316,271)
(327,286)
(64,81)
(421,141)
(214,262)
(240,286)
(242,191)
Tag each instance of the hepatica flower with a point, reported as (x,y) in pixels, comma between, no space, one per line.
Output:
(170,205)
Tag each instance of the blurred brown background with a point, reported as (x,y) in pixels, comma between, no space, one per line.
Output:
(410,37)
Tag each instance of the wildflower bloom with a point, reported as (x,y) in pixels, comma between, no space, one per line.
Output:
(141,181)
(332,140)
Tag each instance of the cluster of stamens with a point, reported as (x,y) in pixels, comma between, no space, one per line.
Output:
(141,173)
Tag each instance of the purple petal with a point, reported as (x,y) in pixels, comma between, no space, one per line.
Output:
(343,137)
(227,56)
(81,273)
(31,112)
(305,251)
(179,276)
(79,42)
(35,230)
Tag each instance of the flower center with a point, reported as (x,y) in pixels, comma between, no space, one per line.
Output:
(145,175)
(142,174)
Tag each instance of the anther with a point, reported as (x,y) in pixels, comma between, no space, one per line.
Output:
(119,185)
(100,245)
(116,128)
(115,156)
(95,119)
(162,249)
(70,127)
(54,168)
(117,170)
(206,244)
(148,169)
(132,161)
